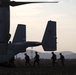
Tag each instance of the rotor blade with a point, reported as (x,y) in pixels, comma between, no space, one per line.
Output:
(13,3)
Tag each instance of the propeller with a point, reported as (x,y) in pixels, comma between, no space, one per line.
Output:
(14,3)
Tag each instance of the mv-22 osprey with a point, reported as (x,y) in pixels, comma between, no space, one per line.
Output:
(8,50)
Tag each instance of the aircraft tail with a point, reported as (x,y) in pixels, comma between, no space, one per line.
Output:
(20,34)
(49,38)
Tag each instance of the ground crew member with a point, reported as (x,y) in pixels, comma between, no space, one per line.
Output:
(11,62)
(27,60)
(36,59)
(53,59)
(62,58)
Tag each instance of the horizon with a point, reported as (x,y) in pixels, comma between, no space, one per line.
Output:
(47,55)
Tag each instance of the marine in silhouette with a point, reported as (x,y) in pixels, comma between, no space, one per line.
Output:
(53,58)
(36,59)
(62,58)
(11,62)
(27,60)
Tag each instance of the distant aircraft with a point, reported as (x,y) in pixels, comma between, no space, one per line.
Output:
(9,50)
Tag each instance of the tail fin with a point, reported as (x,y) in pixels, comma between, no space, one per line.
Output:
(49,39)
(20,34)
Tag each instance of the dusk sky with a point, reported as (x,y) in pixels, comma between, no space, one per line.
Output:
(36,16)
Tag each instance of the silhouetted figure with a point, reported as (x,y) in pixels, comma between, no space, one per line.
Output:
(53,59)
(62,58)
(27,60)
(11,62)
(36,59)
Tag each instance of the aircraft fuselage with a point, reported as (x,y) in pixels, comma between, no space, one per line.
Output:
(7,51)
(4,25)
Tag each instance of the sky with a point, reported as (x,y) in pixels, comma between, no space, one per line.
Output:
(36,16)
